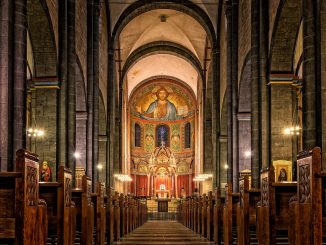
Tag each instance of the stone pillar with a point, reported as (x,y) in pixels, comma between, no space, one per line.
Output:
(62,92)
(111,119)
(228,12)
(71,89)
(215,117)
(311,114)
(96,57)
(255,88)
(90,88)
(235,95)
(6,18)
(19,77)
(265,146)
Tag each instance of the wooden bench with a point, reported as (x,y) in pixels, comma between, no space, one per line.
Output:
(273,210)
(98,200)
(84,211)
(61,209)
(204,216)
(227,215)
(246,214)
(306,207)
(218,216)
(23,216)
(110,216)
(210,216)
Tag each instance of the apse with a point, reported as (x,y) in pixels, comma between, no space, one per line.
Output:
(162,120)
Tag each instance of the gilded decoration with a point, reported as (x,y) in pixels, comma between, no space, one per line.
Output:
(162,108)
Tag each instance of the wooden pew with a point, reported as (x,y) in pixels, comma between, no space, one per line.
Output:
(61,209)
(98,200)
(210,216)
(227,215)
(84,211)
(246,210)
(273,216)
(110,216)
(218,216)
(122,214)
(23,217)
(204,216)
(116,217)
(306,206)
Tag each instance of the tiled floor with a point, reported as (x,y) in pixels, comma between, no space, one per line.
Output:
(163,232)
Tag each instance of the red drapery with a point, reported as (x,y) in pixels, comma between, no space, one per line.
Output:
(183,182)
(141,185)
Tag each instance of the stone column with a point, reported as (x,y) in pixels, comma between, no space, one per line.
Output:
(255,122)
(111,118)
(265,146)
(90,87)
(311,114)
(71,89)
(62,92)
(235,95)
(228,12)
(215,117)
(96,57)
(6,18)
(19,77)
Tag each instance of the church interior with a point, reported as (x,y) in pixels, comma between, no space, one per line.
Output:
(162,122)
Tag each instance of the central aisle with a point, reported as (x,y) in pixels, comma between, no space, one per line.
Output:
(163,232)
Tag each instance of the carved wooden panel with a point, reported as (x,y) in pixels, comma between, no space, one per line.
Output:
(31,195)
(264,189)
(89,191)
(67,188)
(241,190)
(304,179)
(226,195)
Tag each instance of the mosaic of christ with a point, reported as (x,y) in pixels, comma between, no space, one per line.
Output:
(162,102)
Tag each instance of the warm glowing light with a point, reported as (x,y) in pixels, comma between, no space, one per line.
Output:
(247,153)
(77,155)
(123,177)
(34,132)
(292,130)
(202,177)
(226,166)
(100,167)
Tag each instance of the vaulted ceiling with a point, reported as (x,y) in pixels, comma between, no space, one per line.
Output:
(142,43)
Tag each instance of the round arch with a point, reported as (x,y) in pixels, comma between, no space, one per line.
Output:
(162,47)
(284,36)
(143,6)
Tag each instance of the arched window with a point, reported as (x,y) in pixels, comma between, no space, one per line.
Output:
(187,135)
(137,135)
(162,135)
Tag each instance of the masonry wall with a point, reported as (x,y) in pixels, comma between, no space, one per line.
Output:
(44,117)
(281,117)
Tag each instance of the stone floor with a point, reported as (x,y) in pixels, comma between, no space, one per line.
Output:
(163,232)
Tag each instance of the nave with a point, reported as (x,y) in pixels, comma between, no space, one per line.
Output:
(163,232)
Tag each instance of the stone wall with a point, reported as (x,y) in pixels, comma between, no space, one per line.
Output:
(44,117)
(281,118)
(323,77)
(81,34)
(244,33)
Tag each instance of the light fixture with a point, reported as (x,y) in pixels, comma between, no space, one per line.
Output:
(202,177)
(77,155)
(247,153)
(294,130)
(34,132)
(123,177)
(226,166)
(100,167)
